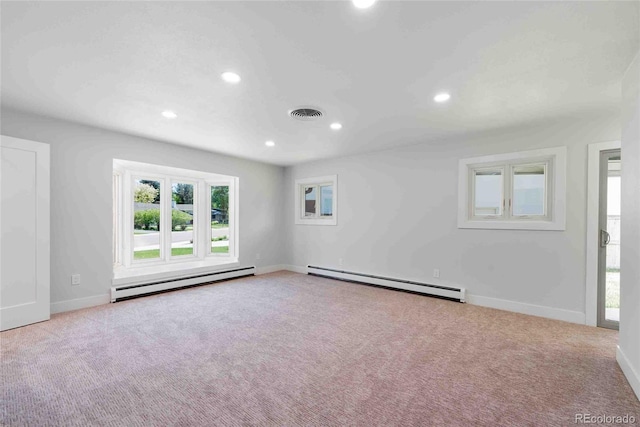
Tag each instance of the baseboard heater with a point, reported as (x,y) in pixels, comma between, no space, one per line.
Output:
(125,292)
(454,294)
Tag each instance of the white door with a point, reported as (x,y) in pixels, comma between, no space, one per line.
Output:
(24,226)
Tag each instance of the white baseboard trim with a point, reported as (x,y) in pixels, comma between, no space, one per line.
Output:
(629,372)
(501,304)
(533,310)
(78,303)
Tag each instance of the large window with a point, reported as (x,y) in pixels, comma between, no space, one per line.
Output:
(523,190)
(316,200)
(170,217)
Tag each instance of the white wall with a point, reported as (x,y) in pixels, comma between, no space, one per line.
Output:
(81,206)
(397,213)
(629,344)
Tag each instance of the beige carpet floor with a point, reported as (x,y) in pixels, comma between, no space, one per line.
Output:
(286,349)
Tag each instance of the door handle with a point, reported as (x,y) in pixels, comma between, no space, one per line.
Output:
(605,238)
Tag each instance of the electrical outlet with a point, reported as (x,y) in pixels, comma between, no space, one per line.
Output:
(75,279)
(436,273)
(258,256)
(340,263)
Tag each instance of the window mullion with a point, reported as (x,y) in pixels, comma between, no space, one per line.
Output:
(117,218)
(303,201)
(548,191)
(508,191)
(231,219)
(127,216)
(204,220)
(471,196)
(208,200)
(195,217)
(165,213)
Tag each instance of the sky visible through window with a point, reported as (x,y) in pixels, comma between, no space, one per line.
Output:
(326,194)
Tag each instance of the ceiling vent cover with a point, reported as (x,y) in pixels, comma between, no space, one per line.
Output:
(306,113)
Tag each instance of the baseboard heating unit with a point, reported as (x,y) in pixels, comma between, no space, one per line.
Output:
(454,294)
(124,292)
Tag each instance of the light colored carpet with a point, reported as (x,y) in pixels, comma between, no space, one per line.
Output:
(286,349)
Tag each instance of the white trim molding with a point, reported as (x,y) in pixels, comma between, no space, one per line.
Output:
(79,303)
(501,304)
(627,368)
(87,302)
(530,309)
(555,219)
(169,272)
(593,206)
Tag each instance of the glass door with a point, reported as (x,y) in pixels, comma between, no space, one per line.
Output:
(609,238)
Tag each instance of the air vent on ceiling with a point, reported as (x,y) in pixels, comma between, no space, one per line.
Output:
(306,113)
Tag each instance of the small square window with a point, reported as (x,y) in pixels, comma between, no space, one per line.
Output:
(316,201)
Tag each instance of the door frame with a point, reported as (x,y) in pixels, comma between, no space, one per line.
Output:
(593,228)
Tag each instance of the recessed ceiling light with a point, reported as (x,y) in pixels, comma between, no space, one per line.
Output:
(363,4)
(270,144)
(335,126)
(442,97)
(169,114)
(230,77)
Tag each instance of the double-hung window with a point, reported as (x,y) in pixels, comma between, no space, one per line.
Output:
(316,200)
(168,219)
(523,190)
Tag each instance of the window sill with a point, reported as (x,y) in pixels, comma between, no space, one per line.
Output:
(316,221)
(149,273)
(513,225)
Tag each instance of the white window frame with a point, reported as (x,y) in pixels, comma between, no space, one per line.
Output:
(117,217)
(125,267)
(554,161)
(299,202)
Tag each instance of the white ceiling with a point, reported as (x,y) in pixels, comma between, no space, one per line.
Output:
(118,65)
